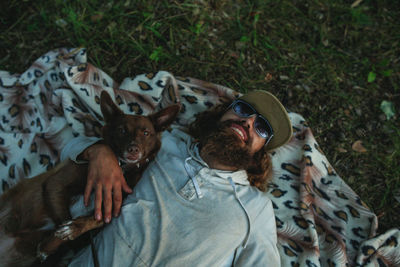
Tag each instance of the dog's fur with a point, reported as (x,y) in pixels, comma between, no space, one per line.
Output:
(32,210)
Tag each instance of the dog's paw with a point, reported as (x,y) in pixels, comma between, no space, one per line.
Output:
(67,231)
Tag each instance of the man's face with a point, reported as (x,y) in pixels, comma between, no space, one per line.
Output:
(243,128)
(233,142)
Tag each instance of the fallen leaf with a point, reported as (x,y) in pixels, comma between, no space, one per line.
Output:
(268,77)
(234,55)
(358,147)
(341,150)
(96,17)
(61,23)
(388,108)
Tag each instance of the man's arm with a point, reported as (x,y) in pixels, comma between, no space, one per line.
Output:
(261,249)
(105,176)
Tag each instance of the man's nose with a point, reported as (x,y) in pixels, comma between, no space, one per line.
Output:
(249,122)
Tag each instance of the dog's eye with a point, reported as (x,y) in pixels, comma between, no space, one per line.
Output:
(121,130)
(146,133)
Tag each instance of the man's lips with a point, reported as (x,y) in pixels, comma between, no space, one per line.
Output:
(239,131)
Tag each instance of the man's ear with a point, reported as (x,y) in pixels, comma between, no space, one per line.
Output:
(164,118)
(108,108)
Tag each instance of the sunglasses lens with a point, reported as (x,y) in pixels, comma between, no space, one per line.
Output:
(243,110)
(262,127)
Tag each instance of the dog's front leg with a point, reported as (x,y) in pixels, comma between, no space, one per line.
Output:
(48,247)
(72,229)
(69,230)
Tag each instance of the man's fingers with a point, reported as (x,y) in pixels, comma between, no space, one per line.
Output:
(117,200)
(88,190)
(126,187)
(97,202)
(107,204)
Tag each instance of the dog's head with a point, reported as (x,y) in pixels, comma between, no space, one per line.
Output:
(134,138)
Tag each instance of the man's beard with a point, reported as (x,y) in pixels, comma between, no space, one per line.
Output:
(223,146)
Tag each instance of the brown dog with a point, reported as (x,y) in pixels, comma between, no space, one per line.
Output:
(31,211)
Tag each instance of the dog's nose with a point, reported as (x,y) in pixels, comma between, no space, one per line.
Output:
(133,149)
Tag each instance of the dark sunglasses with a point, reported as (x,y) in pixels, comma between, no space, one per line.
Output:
(261,124)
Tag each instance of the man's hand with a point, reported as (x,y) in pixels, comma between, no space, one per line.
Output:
(106,178)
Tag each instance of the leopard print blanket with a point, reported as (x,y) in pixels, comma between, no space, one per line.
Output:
(320,220)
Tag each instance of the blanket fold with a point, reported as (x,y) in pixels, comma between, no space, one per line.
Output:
(320,220)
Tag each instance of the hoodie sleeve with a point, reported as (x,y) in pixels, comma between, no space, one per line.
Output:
(76,146)
(261,249)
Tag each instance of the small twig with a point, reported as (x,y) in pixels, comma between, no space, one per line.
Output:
(356,3)
(72,52)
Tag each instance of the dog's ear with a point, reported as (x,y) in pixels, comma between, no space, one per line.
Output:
(108,108)
(163,118)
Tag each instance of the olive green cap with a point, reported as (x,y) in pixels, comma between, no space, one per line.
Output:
(272,109)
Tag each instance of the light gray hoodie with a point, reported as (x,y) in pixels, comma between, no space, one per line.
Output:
(182,213)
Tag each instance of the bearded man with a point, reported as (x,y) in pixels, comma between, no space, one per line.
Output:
(202,201)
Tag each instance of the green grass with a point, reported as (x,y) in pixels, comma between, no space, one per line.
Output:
(332,63)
